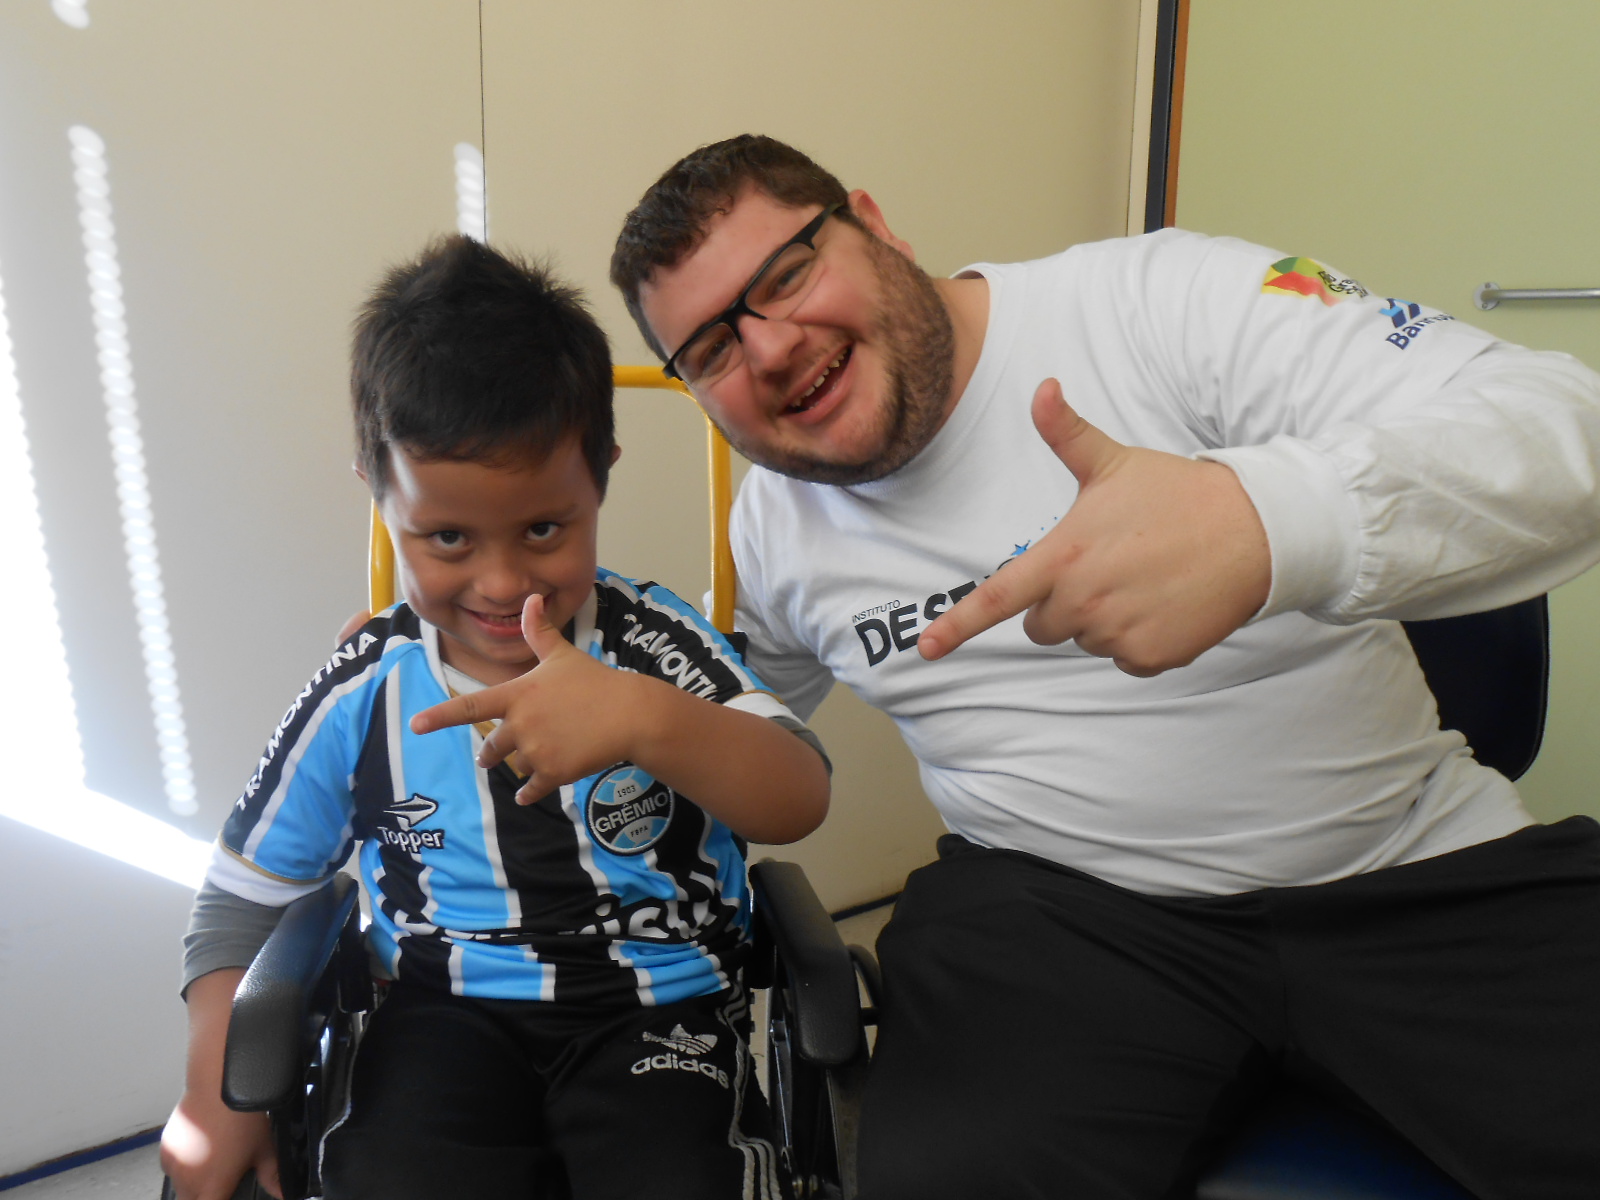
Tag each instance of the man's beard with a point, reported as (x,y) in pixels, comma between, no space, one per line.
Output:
(913,327)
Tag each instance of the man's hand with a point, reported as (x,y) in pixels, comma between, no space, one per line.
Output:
(562,719)
(353,623)
(1159,559)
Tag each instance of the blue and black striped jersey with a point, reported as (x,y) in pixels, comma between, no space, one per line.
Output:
(612,890)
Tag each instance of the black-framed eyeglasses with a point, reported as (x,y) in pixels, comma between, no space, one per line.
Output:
(775,291)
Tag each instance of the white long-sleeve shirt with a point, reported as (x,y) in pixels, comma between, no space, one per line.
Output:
(1403,464)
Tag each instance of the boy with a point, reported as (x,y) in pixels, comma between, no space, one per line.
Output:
(554,924)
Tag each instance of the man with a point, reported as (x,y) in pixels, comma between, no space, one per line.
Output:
(1205,824)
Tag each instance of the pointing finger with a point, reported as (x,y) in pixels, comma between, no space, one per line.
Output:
(463,710)
(998,598)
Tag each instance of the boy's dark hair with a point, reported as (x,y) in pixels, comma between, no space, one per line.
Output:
(469,354)
(671,217)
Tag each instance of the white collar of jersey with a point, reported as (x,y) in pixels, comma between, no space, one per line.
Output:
(583,621)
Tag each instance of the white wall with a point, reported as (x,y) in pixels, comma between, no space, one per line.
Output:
(92,1044)
(267,159)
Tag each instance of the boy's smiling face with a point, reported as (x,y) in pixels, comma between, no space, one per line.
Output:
(474,540)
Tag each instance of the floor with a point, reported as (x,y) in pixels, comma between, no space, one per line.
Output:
(136,1175)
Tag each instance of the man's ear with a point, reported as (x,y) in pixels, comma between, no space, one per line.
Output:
(360,473)
(869,214)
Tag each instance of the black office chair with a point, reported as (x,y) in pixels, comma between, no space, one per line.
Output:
(1490,674)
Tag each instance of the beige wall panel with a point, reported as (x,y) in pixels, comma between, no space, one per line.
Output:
(992,132)
(1423,149)
(266,159)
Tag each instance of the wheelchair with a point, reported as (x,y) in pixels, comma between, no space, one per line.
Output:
(299,1013)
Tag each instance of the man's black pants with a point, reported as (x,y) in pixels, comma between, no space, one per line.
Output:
(1047,1034)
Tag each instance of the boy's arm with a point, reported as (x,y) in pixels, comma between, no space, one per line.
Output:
(206,1147)
(571,716)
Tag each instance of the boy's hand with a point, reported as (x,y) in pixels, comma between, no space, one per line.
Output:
(206,1148)
(567,718)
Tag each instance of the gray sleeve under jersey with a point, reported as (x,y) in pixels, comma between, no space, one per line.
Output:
(224,931)
(805,735)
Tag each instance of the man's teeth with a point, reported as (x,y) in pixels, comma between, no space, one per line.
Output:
(806,395)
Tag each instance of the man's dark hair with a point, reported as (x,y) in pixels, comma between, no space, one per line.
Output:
(468,354)
(670,219)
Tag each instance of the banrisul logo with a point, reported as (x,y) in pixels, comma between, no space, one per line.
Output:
(408,814)
(628,810)
(1408,321)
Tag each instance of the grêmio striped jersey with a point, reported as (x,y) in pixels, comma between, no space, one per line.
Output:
(613,890)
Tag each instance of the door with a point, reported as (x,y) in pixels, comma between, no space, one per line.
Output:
(1424,150)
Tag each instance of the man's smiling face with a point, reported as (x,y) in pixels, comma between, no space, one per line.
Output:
(854,382)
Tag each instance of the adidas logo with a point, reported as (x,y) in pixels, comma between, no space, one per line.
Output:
(681,1041)
(684,1042)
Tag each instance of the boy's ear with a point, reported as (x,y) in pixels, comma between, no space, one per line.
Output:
(616,453)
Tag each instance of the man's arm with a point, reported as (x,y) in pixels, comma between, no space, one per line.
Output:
(572,716)
(1478,496)
(1389,474)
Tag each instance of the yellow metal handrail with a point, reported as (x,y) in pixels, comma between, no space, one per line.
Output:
(724,585)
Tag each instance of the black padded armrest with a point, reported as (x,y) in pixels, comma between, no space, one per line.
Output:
(1490,672)
(265,1061)
(823,997)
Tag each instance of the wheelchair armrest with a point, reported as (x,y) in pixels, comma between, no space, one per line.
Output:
(277,1000)
(821,977)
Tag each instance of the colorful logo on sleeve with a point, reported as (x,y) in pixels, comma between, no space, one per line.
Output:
(629,810)
(1307,277)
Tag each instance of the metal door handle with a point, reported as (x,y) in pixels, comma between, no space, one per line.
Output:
(1487,295)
